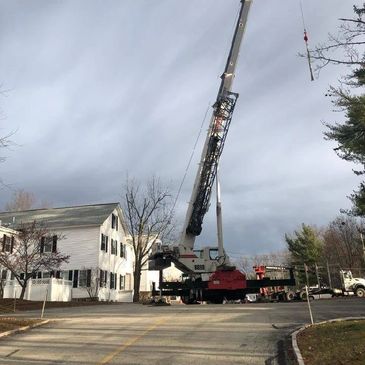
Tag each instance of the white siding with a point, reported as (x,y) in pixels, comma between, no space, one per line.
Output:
(82,245)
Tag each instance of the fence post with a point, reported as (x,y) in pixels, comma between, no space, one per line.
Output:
(329,275)
(44,302)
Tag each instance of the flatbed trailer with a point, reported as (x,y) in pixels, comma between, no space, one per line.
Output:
(217,289)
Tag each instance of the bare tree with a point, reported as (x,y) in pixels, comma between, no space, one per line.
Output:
(34,249)
(21,200)
(342,243)
(24,200)
(345,47)
(93,283)
(148,218)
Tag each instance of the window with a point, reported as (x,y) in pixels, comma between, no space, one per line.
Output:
(114,221)
(48,244)
(113,247)
(104,243)
(103,278)
(121,282)
(4,274)
(112,282)
(75,278)
(123,250)
(85,278)
(8,242)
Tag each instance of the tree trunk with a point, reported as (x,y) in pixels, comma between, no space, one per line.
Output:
(24,287)
(137,283)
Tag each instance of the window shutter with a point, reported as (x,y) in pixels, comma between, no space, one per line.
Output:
(106,243)
(70,275)
(115,280)
(54,244)
(88,278)
(4,239)
(34,275)
(58,274)
(125,252)
(39,275)
(102,246)
(76,279)
(12,244)
(42,244)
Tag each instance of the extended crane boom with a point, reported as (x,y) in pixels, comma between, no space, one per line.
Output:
(220,121)
(183,255)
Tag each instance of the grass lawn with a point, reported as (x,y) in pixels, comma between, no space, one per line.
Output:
(11,323)
(334,343)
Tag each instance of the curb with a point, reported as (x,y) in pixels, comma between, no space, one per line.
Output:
(22,329)
(294,335)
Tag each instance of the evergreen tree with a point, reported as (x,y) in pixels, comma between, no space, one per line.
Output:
(305,247)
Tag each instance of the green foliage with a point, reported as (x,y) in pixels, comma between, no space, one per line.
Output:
(306,246)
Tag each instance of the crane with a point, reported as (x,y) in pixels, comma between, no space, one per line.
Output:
(220,121)
(208,273)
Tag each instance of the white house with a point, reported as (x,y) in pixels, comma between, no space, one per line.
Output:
(95,238)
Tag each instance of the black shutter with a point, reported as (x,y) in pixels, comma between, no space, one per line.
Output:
(4,239)
(54,244)
(76,279)
(115,280)
(34,275)
(42,244)
(102,246)
(106,243)
(70,275)
(39,275)
(111,281)
(12,244)
(88,278)
(116,222)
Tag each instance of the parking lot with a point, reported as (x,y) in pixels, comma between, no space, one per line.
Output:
(178,334)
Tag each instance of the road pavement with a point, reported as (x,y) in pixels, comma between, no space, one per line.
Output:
(134,334)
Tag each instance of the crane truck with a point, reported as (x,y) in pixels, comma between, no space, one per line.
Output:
(207,273)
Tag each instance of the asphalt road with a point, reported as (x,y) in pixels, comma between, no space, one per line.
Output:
(198,334)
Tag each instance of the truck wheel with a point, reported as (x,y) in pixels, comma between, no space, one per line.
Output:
(360,292)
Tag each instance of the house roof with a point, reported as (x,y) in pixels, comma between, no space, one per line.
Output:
(84,215)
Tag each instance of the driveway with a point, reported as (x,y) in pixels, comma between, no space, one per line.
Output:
(179,334)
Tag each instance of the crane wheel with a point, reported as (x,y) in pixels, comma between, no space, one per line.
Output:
(289,296)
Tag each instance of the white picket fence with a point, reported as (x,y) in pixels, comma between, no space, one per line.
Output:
(59,290)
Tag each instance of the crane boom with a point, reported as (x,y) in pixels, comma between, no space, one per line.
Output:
(218,128)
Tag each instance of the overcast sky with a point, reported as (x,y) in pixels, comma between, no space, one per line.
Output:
(97,89)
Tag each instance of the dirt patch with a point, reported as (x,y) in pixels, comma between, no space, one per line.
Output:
(8,305)
(333,343)
(10,323)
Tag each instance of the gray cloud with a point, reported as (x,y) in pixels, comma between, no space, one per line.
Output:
(99,89)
